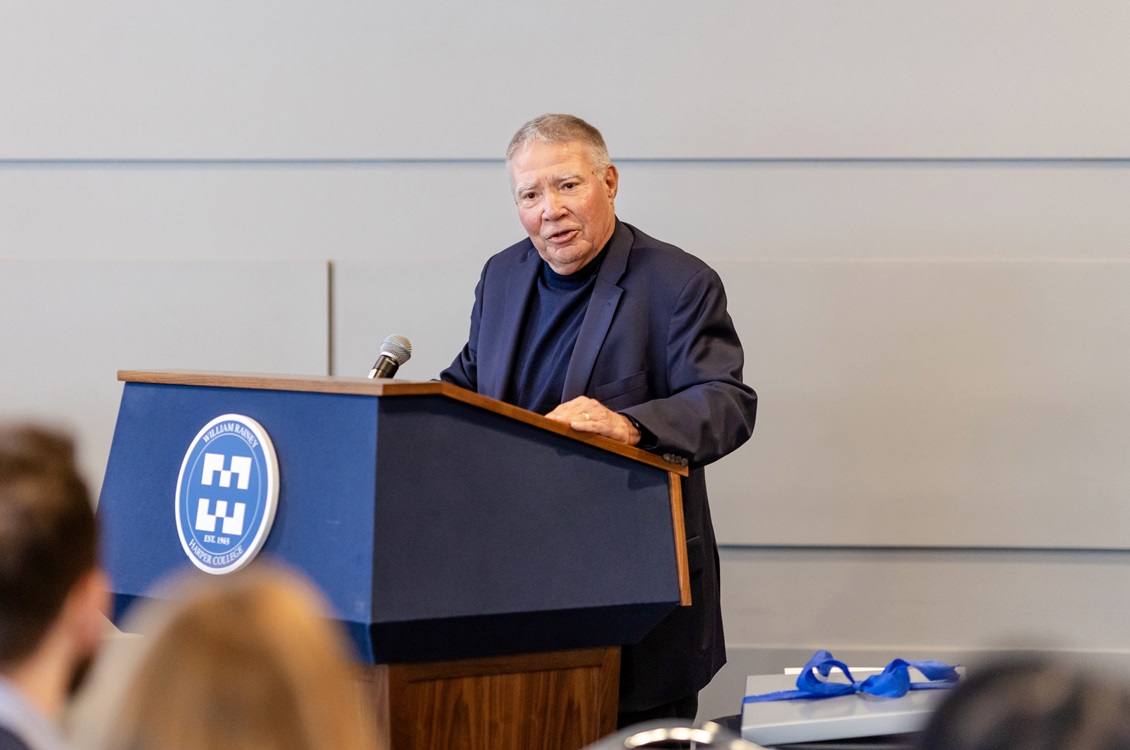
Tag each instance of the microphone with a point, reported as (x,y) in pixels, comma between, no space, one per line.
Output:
(395,351)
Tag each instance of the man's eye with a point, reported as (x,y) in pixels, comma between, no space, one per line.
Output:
(569,185)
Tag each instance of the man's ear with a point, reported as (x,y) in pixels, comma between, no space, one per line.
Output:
(611,181)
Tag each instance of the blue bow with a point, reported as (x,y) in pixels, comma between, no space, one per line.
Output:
(893,682)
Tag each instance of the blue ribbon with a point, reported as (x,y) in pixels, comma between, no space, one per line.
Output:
(893,682)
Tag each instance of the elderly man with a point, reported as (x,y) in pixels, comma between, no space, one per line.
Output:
(52,594)
(595,324)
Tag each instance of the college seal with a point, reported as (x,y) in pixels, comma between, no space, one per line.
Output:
(227,493)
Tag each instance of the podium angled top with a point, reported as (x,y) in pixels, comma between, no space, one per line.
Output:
(385,388)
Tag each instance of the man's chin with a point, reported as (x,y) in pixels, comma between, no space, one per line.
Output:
(567,260)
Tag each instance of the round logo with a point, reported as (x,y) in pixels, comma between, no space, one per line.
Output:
(227,493)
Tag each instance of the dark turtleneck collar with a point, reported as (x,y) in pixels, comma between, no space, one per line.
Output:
(577,279)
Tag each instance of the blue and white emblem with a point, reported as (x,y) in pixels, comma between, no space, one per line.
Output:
(227,493)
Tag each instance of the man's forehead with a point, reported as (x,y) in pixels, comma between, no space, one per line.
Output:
(540,161)
(532,178)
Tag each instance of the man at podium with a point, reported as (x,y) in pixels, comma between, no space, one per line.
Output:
(593,323)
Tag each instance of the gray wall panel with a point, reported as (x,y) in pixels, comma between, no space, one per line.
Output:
(427,301)
(867,210)
(459,211)
(70,326)
(256,211)
(912,599)
(870,606)
(146,79)
(946,403)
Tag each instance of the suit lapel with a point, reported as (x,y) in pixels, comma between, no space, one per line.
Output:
(598,317)
(519,286)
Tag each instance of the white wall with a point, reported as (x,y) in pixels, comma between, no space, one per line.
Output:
(723,79)
(919,211)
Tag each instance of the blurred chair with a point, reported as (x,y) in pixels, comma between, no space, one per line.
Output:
(674,734)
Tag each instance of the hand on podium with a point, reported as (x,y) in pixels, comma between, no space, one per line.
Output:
(585,414)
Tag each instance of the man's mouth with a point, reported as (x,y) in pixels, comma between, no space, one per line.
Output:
(563,236)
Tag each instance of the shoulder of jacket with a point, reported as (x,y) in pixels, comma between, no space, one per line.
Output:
(647,249)
(519,252)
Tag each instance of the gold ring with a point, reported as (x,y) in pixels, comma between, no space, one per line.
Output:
(586,416)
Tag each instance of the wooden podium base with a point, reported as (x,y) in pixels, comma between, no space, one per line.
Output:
(561,700)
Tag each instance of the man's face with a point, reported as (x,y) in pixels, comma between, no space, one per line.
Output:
(565,208)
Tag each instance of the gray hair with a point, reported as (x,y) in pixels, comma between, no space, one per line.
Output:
(556,128)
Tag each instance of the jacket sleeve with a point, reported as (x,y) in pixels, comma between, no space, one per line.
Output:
(709,411)
(463,371)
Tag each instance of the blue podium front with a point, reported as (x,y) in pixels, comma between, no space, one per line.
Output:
(438,524)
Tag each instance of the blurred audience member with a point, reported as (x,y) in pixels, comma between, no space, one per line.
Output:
(247,660)
(1033,703)
(52,593)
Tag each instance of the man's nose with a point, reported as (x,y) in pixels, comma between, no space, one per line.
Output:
(551,206)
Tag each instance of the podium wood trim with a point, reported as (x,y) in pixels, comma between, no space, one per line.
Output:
(388,387)
(681,561)
(561,700)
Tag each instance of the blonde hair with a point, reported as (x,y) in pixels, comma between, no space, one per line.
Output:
(249,661)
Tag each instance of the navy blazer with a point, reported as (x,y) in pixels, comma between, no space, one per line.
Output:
(656,343)
(9,740)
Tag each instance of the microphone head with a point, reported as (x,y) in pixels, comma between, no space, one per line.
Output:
(398,348)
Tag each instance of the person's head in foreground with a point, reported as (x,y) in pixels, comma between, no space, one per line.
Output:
(52,592)
(1033,703)
(247,660)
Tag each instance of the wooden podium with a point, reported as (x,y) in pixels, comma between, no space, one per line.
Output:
(487,562)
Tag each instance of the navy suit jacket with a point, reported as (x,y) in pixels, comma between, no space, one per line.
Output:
(9,740)
(656,343)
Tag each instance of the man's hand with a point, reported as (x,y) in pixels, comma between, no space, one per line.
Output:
(584,414)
